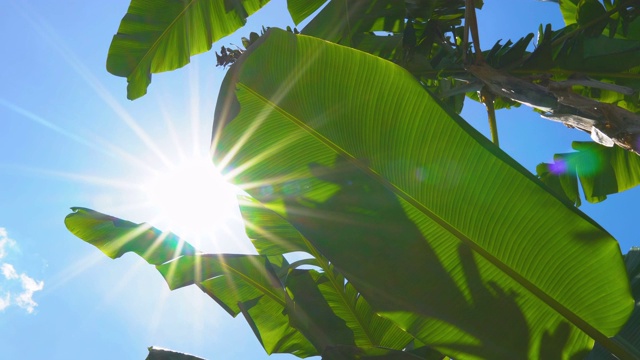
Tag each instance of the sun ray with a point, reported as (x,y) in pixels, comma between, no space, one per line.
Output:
(96,180)
(231,174)
(194,98)
(50,36)
(119,242)
(33,117)
(173,134)
(158,241)
(134,160)
(158,311)
(240,244)
(254,126)
(123,282)
(268,235)
(71,271)
(105,147)
(224,162)
(286,85)
(173,265)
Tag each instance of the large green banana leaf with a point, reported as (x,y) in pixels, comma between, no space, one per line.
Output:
(437,228)
(162,35)
(246,284)
(602,171)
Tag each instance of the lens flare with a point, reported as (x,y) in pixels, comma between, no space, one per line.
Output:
(558,167)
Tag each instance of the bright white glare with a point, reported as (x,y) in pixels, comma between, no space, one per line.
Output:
(191,199)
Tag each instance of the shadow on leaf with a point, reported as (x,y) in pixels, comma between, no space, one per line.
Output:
(364,231)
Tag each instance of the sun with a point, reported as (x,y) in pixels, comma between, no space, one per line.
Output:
(191,199)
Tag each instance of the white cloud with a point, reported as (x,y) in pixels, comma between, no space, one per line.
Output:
(21,284)
(5,241)
(25,299)
(8,271)
(5,301)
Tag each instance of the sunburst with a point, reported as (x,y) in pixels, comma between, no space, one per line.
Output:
(190,198)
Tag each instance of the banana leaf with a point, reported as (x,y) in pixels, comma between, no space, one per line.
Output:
(438,229)
(162,35)
(348,22)
(620,21)
(270,233)
(301,9)
(115,237)
(246,284)
(601,170)
(156,353)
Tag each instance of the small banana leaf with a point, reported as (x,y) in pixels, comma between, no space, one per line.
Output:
(162,35)
(601,170)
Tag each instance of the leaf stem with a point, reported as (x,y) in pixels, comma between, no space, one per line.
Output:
(471,26)
(487,98)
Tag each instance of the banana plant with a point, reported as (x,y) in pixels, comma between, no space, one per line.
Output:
(442,241)
(423,239)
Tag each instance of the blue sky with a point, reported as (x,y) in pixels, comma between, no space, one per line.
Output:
(69,137)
